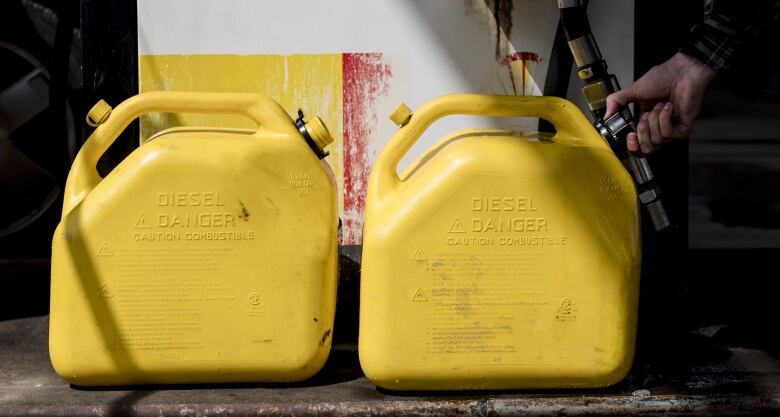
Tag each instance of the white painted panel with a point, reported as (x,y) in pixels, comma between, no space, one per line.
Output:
(434,47)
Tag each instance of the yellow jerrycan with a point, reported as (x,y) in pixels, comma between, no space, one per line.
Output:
(499,260)
(207,255)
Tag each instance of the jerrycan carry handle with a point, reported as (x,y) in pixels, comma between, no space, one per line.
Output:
(563,114)
(83,176)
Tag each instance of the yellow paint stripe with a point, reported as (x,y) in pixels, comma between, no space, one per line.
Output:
(309,82)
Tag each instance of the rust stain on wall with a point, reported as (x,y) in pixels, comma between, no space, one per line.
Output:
(502,11)
(496,16)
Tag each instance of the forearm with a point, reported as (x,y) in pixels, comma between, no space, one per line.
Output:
(692,69)
(716,40)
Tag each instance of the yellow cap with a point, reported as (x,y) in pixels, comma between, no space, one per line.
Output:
(98,113)
(318,132)
(401,115)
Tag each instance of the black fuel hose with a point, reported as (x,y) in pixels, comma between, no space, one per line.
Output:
(575,22)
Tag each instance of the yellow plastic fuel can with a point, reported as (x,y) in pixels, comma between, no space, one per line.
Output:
(499,260)
(207,255)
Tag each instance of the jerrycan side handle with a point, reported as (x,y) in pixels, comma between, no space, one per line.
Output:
(83,176)
(563,114)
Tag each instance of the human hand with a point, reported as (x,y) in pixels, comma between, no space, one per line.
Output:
(670,96)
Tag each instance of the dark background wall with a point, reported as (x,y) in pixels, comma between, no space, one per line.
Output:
(717,274)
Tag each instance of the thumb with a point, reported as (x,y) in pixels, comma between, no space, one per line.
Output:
(618,100)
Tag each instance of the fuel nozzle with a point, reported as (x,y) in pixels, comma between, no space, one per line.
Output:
(615,130)
(599,83)
(316,134)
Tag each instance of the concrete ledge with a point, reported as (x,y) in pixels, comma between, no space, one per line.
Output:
(735,381)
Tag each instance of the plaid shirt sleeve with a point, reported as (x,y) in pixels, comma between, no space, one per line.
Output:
(727,26)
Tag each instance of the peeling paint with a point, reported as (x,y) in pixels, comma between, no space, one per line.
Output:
(366,78)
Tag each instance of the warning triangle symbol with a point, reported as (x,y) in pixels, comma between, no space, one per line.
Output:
(103,292)
(419,296)
(105,250)
(456,227)
(141,222)
(419,255)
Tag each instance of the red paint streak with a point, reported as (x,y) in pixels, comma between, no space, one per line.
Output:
(366,78)
(524,58)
